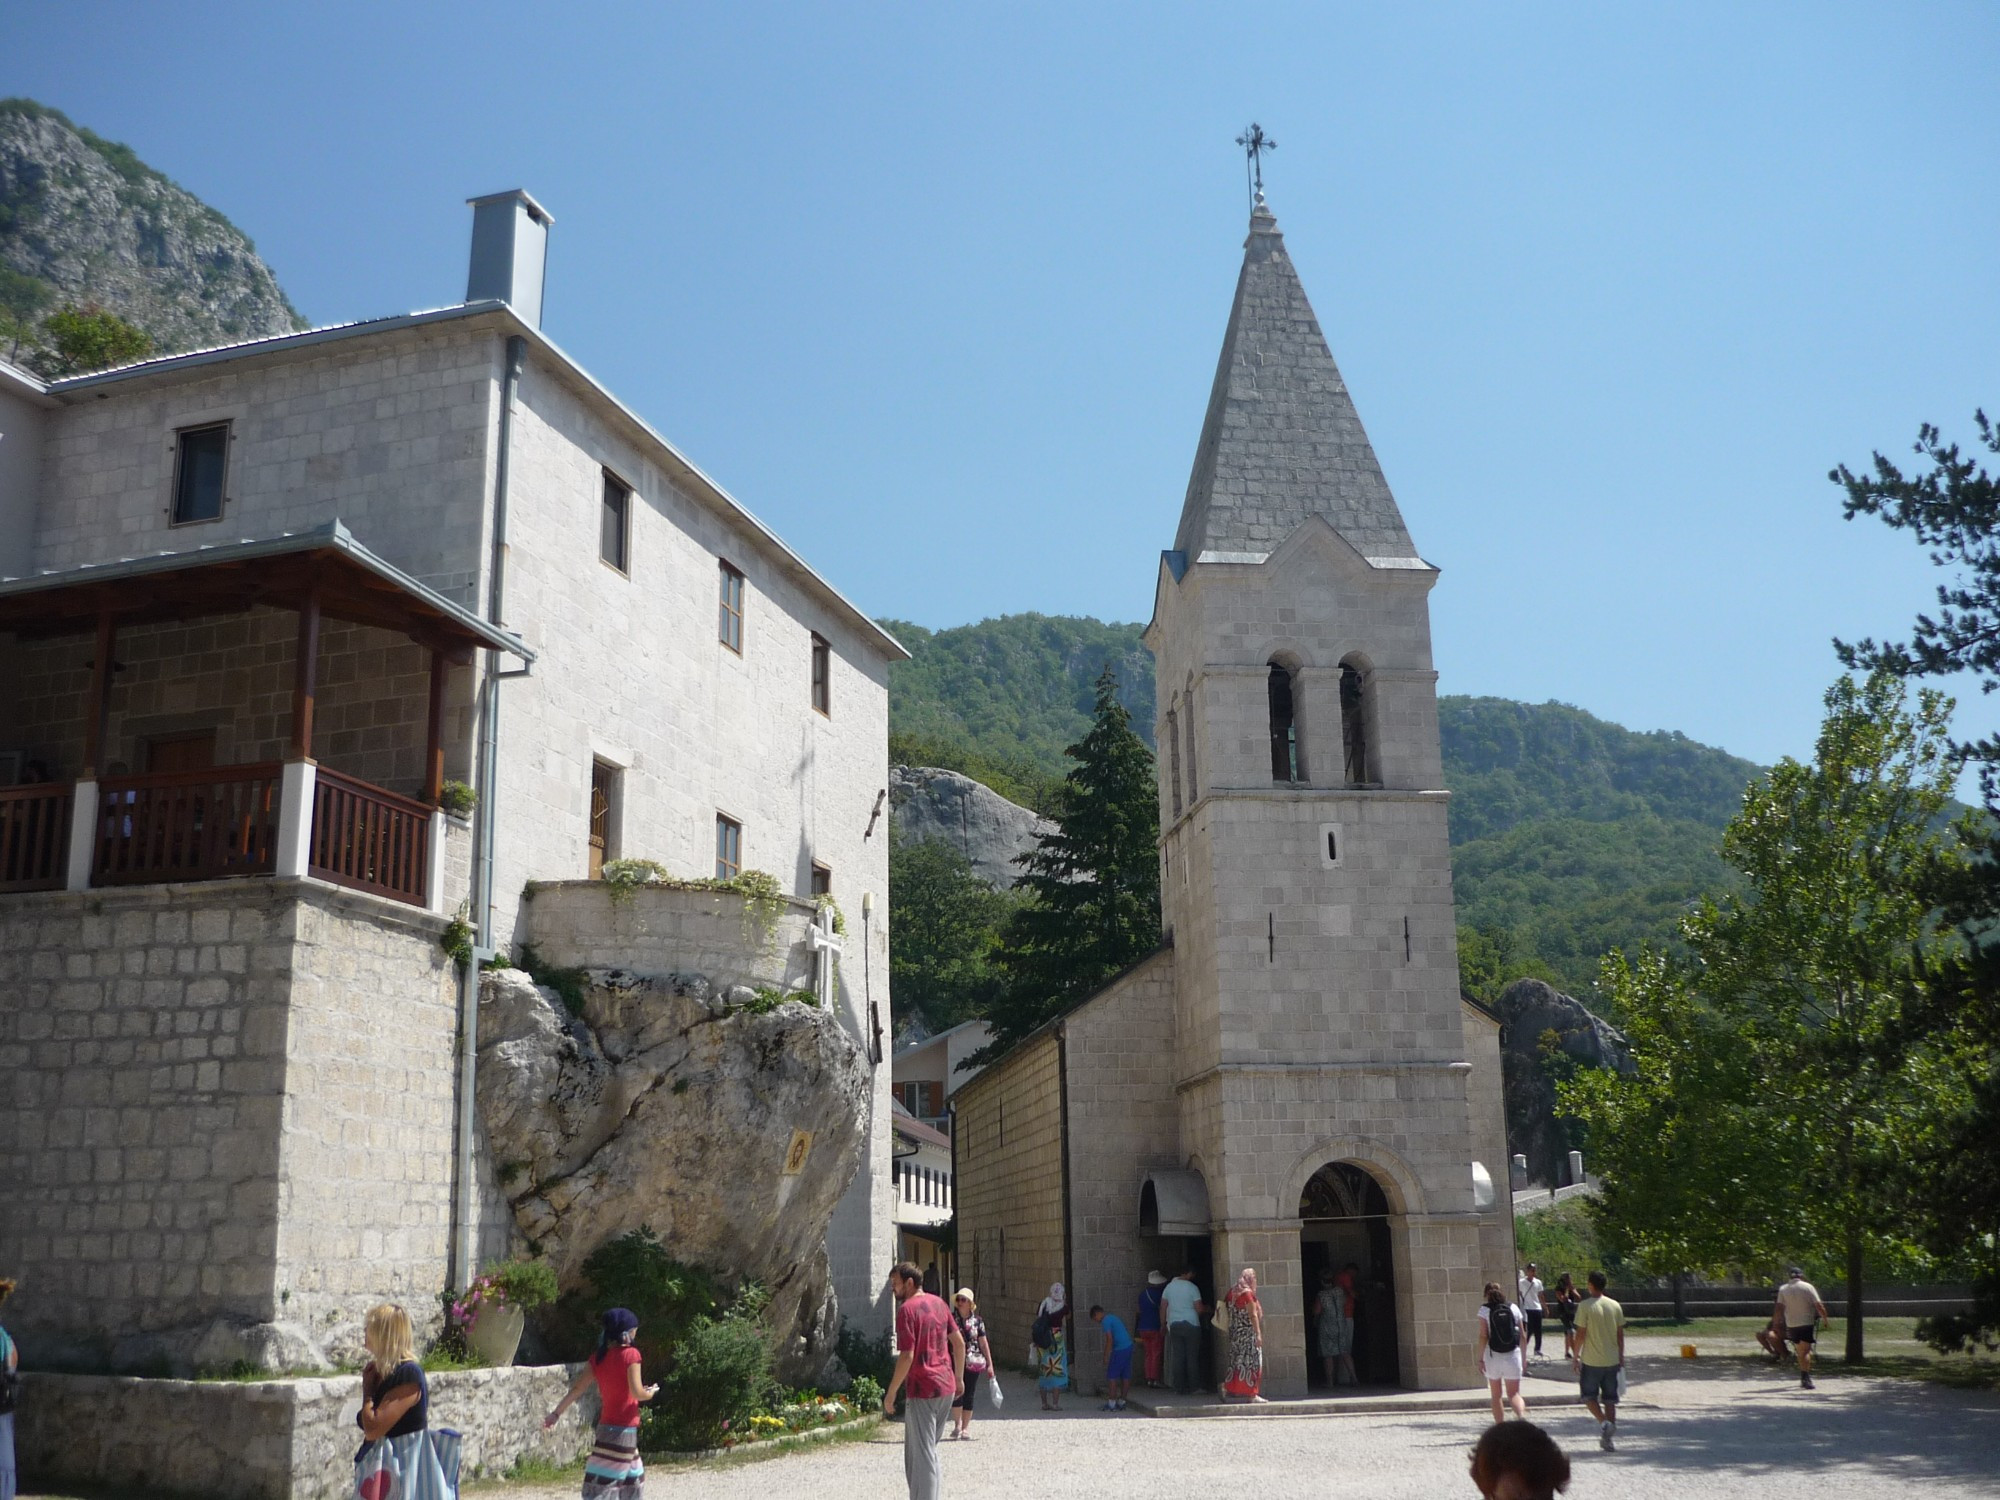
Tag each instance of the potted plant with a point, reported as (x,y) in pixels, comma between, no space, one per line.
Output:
(458,799)
(494,1309)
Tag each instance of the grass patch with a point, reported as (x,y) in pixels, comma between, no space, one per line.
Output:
(1894,1351)
(856,1431)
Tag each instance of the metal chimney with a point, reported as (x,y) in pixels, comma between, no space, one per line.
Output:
(510,252)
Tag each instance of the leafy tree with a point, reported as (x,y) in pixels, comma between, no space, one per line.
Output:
(83,339)
(1950,504)
(947,926)
(1794,1089)
(1093,880)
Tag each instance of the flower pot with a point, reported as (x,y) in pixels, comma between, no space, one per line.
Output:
(495,1333)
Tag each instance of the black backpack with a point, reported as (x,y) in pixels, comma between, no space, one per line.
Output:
(1502,1336)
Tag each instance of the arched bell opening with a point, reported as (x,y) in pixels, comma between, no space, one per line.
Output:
(1345,1224)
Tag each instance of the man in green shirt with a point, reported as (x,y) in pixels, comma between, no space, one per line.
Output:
(1600,1328)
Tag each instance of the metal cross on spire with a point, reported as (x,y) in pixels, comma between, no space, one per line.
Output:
(1255,143)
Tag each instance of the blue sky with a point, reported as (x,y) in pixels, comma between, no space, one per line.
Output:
(938,292)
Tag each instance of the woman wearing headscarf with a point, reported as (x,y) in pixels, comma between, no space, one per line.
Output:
(1246,1340)
(1052,1348)
(978,1357)
(614,1470)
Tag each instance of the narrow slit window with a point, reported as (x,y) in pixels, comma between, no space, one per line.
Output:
(603,808)
(1193,775)
(1174,757)
(201,463)
(732,609)
(1286,762)
(614,531)
(822,676)
(728,847)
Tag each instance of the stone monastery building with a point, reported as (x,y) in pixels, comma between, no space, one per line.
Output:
(1292,1082)
(258,606)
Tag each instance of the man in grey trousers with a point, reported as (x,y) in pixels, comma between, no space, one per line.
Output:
(930,1360)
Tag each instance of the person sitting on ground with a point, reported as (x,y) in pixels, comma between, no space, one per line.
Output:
(1501,1358)
(1519,1461)
(1117,1358)
(1771,1337)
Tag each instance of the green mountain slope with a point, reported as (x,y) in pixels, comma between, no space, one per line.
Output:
(84,222)
(1570,835)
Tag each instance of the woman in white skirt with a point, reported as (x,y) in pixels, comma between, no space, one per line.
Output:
(1499,1352)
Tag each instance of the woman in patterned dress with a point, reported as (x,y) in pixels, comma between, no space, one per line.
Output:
(614,1470)
(1246,1340)
(1051,1348)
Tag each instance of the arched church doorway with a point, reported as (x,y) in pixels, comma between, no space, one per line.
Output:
(1344,1222)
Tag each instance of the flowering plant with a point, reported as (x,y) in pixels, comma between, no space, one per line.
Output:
(525,1284)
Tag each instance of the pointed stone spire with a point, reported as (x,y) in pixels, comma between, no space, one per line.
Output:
(1282,441)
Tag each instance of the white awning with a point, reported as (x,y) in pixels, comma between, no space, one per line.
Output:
(1173,1202)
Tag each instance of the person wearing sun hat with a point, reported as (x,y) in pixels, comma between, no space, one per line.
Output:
(1149,1329)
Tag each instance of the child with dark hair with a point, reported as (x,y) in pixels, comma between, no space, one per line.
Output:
(1519,1461)
(614,1470)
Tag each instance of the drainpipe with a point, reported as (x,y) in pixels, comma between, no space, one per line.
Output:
(487,783)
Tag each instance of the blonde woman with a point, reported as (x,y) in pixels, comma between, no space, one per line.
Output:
(395,1414)
(978,1357)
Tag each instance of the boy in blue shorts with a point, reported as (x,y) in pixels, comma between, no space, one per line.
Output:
(1117,1357)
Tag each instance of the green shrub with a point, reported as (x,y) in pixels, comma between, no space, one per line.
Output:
(866,1358)
(866,1393)
(526,1284)
(633,1271)
(721,1376)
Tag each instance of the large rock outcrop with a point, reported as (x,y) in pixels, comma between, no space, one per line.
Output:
(1543,1034)
(730,1128)
(930,804)
(83,220)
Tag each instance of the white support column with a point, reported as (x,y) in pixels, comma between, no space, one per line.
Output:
(295,816)
(82,835)
(434,876)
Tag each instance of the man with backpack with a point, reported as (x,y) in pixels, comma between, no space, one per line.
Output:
(1499,1352)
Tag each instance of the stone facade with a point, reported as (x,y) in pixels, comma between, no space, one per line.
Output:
(224,1103)
(275,1440)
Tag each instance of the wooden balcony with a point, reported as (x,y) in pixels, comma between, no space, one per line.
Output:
(187,825)
(369,839)
(34,836)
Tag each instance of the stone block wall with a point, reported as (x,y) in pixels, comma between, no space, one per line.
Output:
(232,675)
(227,1100)
(659,929)
(274,1440)
(1010,1191)
(1123,1121)
(1486,1110)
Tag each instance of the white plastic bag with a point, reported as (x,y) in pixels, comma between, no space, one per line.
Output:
(995,1397)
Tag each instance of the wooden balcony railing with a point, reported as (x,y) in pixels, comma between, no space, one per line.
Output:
(34,836)
(186,825)
(369,839)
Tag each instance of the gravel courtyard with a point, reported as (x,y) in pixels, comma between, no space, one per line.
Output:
(1709,1431)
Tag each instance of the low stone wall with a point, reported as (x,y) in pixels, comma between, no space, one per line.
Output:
(276,1439)
(658,929)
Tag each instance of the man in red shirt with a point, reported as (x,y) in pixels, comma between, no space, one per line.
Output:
(931,1360)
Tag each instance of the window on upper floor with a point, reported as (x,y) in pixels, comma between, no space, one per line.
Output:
(1174,754)
(614,526)
(731,625)
(1356,733)
(728,847)
(603,816)
(1193,776)
(201,465)
(822,676)
(822,879)
(1287,758)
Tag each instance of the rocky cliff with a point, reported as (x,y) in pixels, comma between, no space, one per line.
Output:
(1545,1035)
(929,805)
(730,1129)
(83,220)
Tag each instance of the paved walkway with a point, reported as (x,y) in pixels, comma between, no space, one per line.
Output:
(1720,1430)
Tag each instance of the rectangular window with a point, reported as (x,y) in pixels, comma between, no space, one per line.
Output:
(728,848)
(732,609)
(822,676)
(614,527)
(200,464)
(822,880)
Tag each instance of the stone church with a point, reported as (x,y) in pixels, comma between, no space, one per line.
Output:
(1293,1080)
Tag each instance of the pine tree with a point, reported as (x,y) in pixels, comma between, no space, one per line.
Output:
(1093,882)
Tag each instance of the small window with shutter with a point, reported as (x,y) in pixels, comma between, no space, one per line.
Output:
(728,847)
(822,676)
(731,619)
(614,525)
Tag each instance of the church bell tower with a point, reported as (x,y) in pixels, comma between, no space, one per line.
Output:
(1337,1096)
